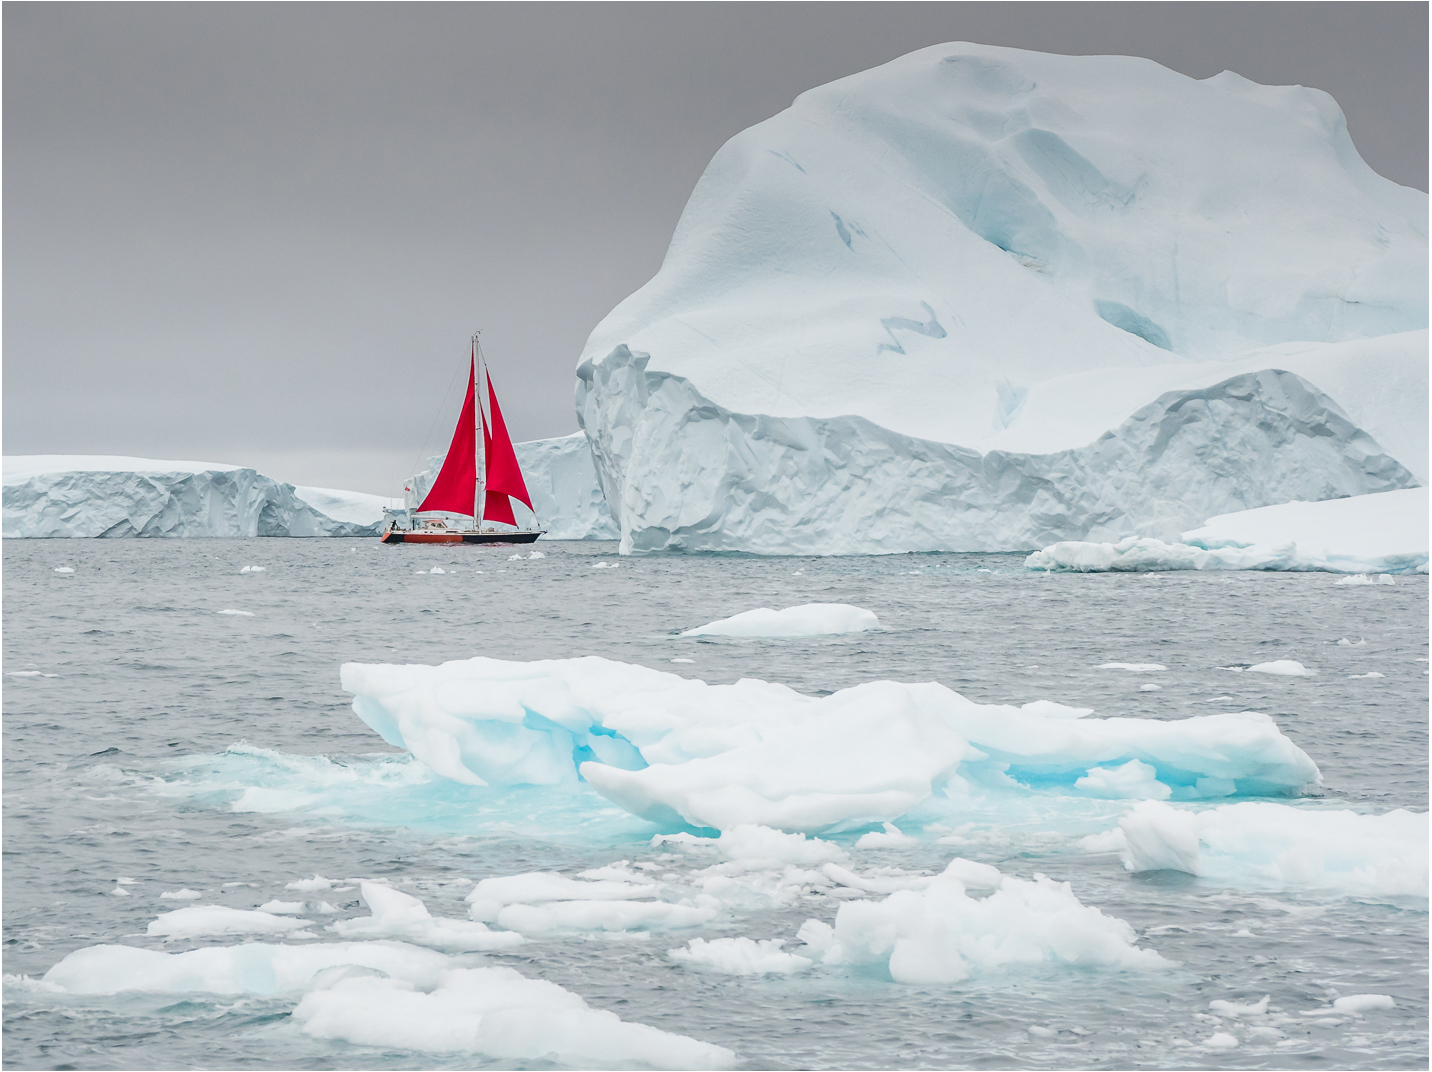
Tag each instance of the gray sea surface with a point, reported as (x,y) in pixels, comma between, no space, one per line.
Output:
(150,736)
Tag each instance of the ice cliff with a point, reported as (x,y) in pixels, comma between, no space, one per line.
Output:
(987,299)
(92,496)
(107,496)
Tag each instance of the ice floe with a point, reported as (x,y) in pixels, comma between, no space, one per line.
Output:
(940,934)
(739,956)
(498,1013)
(807,620)
(1282,668)
(201,921)
(678,751)
(597,917)
(400,916)
(1262,843)
(1385,534)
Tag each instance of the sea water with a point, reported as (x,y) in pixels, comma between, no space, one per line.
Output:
(174,721)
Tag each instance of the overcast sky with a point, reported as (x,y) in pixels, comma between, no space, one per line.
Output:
(262,233)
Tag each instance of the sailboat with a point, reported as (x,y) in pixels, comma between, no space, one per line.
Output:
(474,489)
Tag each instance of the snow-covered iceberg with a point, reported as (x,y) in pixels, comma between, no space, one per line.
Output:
(61,495)
(987,299)
(679,751)
(1381,534)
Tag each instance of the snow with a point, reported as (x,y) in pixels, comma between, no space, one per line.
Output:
(901,315)
(403,917)
(739,956)
(675,750)
(940,934)
(498,1013)
(61,495)
(1384,533)
(1282,668)
(1261,843)
(200,921)
(807,620)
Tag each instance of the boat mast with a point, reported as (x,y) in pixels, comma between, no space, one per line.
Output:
(479,499)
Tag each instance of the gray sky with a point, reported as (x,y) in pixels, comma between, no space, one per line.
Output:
(262,233)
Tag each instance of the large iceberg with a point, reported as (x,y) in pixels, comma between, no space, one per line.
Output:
(106,496)
(1366,534)
(62,495)
(988,299)
(678,751)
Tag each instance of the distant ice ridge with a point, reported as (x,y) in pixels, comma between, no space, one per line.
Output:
(1383,534)
(61,495)
(102,495)
(1278,845)
(678,751)
(562,480)
(986,299)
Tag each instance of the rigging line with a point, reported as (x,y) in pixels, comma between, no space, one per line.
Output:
(427,438)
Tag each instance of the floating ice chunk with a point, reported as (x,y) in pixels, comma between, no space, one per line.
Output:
(1260,843)
(29,673)
(1360,1003)
(942,935)
(683,660)
(120,891)
(514,558)
(606,565)
(1150,687)
(804,777)
(310,885)
(758,752)
(1131,781)
(251,968)
(64,569)
(1370,673)
(807,620)
(539,886)
(400,916)
(876,883)
(764,848)
(202,921)
(575,917)
(739,956)
(1240,1012)
(889,838)
(421,572)
(253,569)
(499,1014)
(180,895)
(537,554)
(437,569)
(244,613)
(1385,578)
(1346,643)
(1134,668)
(1221,1040)
(279,908)
(1356,578)
(1282,667)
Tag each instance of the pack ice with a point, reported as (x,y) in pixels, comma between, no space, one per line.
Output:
(63,495)
(677,751)
(986,299)
(1382,534)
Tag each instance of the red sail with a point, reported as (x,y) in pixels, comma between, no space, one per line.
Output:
(496,506)
(454,491)
(504,475)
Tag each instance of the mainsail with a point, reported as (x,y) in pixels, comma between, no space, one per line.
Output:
(455,490)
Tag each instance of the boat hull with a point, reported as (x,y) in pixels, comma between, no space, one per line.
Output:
(395,537)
